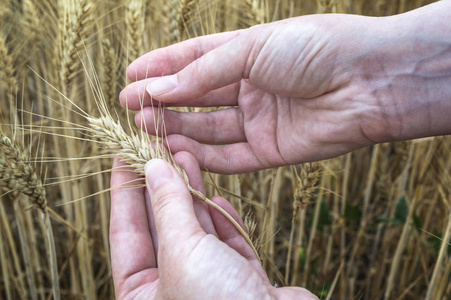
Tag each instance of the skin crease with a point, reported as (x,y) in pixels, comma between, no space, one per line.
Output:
(301,89)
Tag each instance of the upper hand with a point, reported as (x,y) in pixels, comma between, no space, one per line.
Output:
(290,81)
(303,89)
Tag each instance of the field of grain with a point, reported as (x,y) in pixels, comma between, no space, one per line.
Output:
(373,224)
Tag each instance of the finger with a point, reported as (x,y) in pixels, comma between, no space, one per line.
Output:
(172,59)
(188,163)
(220,67)
(134,96)
(152,228)
(223,126)
(292,292)
(231,236)
(225,159)
(172,204)
(131,244)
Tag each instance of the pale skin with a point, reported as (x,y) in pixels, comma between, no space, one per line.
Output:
(302,89)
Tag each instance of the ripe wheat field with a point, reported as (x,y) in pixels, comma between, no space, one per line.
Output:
(372,224)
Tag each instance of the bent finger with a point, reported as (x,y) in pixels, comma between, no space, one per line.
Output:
(134,97)
(188,163)
(223,159)
(223,126)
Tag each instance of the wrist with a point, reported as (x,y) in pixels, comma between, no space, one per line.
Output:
(404,71)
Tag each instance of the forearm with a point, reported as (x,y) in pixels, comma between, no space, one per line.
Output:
(409,74)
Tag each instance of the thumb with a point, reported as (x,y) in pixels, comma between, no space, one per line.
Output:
(220,67)
(172,205)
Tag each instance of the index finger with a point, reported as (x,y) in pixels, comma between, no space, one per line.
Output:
(172,59)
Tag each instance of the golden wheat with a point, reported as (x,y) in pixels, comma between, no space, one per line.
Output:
(135,28)
(74,32)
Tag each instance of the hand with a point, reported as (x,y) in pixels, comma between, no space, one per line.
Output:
(166,245)
(303,89)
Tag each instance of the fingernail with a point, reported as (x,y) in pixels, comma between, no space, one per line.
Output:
(157,172)
(162,86)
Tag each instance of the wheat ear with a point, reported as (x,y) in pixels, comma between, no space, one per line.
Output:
(7,78)
(252,12)
(75,27)
(110,67)
(137,151)
(31,24)
(19,175)
(183,18)
(135,28)
(303,193)
(4,10)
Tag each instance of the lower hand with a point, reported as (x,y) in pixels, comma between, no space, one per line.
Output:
(165,244)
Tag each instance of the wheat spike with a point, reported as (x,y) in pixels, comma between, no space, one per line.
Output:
(184,18)
(110,67)
(74,32)
(4,10)
(306,185)
(170,13)
(137,151)
(135,28)
(20,174)
(253,14)
(31,24)
(8,80)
